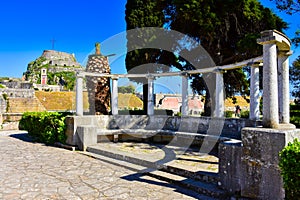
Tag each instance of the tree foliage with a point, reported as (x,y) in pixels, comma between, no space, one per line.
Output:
(227,30)
(294,77)
(289,6)
(126,89)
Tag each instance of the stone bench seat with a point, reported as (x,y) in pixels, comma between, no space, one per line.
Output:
(89,135)
(147,133)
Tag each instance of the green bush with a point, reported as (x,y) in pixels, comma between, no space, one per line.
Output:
(295,120)
(289,164)
(46,127)
(229,113)
(245,114)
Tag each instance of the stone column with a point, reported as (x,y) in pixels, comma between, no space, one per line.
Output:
(114,98)
(219,95)
(270,85)
(79,96)
(184,90)
(254,93)
(150,106)
(283,87)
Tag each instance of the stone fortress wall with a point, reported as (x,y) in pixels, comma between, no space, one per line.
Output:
(17,93)
(58,58)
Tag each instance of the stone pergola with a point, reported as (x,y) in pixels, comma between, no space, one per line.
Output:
(276,50)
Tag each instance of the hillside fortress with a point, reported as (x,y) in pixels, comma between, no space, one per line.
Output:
(53,68)
(58,58)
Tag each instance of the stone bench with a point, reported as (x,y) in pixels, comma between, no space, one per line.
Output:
(90,135)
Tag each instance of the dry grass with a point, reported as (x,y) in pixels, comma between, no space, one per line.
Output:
(60,101)
(240,101)
(64,101)
(129,101)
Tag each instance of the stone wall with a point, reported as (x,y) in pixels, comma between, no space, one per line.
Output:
(3,105)
(17,84)
(64,69)
(17,93)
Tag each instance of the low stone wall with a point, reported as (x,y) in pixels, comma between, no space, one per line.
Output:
(12,117)
(250,167)
(17,84)
(17,93)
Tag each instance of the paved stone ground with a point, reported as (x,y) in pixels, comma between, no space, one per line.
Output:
(35,171)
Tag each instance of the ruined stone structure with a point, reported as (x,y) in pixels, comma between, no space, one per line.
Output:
(98,87)
(248,161)
(54,62)
(57,58)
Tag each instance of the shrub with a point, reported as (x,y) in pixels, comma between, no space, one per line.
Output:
(295,120)
(228,113)
(289,164)
(46,127)
(245,114)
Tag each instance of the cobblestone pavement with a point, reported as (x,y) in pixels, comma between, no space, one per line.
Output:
(35,171)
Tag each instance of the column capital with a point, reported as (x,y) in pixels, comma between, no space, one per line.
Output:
(185,74)
(149,76)
(255,64)
(275,37)
(80,75)
(285,53)
(219,70)
(115,78)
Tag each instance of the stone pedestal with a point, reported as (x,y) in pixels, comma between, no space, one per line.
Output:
(260,173)
(98,87)
(230,166)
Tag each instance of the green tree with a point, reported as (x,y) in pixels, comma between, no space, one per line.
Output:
(295,77)
(289,6)
(126,89)
(226,29)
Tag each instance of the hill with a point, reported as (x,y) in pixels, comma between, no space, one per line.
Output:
(60,68)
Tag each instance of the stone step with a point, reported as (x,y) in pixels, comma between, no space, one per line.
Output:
(207,191)
(208,177)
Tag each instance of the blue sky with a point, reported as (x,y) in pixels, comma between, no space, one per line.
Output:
(27,28)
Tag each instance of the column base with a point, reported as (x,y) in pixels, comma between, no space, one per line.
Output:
(286,126)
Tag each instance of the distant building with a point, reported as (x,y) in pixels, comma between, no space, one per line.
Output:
(44,76)
(174,102)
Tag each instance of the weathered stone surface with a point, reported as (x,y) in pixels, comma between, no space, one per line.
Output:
(260,176)
(230,165)
(36,171)
(87,135)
